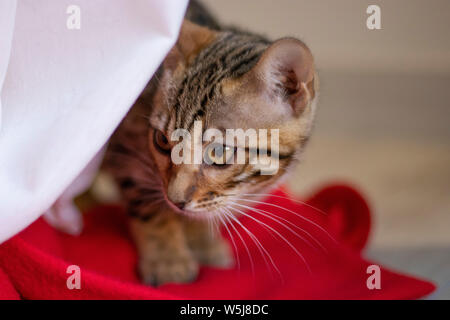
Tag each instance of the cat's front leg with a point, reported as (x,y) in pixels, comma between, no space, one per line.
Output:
(207,244)
(164,256)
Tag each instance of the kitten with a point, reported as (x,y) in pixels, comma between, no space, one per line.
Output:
(225,79)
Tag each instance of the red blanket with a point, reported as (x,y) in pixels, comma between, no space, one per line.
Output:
(33,264)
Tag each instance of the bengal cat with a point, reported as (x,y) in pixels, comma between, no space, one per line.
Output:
(224,78)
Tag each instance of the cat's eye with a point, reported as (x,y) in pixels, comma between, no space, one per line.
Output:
(218,155)
(161,142)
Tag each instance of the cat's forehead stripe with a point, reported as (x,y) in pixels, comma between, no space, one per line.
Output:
(230,55)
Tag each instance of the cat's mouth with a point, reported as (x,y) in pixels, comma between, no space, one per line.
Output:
(201,209)
(197,211)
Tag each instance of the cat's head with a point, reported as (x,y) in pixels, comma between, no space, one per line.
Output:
(226,80)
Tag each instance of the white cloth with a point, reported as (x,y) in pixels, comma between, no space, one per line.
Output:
(63,91)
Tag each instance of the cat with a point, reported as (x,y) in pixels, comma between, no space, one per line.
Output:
(225,78)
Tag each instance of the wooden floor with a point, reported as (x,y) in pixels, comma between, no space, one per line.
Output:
(390,136)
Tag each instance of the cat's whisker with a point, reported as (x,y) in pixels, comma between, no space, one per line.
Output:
(154,203)
(278,234)
(146,167)
(151,180)
(148,183)
(277,219)
(149,202)
(231,238)
(145,116)
(216,225)
(288,198)
(290,211)
(157,78)
(250,257)
(151,193)
(152,197)
(263,225)
(138,176)
(210,226)
(258,244)
(149,188)
(133,154)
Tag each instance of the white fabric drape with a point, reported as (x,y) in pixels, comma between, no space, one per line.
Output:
(63,91)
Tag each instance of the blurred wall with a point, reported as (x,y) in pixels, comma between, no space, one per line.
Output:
(414,36)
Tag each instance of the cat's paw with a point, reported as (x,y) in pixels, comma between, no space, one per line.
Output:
(216,253)
(180,268)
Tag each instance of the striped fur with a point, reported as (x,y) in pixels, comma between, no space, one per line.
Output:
(225,79)
(229,56)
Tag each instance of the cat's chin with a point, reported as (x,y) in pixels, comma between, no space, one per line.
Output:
(201,215)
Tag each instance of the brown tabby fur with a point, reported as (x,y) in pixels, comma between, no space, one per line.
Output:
(226,79)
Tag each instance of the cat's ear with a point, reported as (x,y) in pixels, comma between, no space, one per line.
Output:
(191,40)
(286,70)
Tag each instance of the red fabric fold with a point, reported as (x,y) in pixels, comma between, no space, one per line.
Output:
(314,253)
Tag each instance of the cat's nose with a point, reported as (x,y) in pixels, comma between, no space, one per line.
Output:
(180,205)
